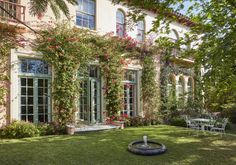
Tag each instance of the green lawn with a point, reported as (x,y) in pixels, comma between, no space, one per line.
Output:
(110,148)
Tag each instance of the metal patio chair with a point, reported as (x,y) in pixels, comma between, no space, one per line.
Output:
(220,126)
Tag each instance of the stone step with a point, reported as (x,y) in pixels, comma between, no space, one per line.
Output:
(95,127)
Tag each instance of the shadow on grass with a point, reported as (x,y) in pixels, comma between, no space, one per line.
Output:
(110,148)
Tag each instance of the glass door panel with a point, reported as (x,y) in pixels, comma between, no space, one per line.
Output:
(43,100)
(27,99)
(94,101)
(84,113)
(35,99)
(90,101)
(129,99)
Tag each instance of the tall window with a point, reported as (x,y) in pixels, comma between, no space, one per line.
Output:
(180,88)
(171,86)
(190,89)
(120,23)
(34,91)
(130,93)
(174,36)
(85,14)
(140,31)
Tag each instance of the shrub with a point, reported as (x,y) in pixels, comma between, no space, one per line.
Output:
(143,121)
(155,121)
(136,121)
(46,129)
(20,129)
(178,121)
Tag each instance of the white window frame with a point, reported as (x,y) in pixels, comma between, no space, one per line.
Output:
(16,55)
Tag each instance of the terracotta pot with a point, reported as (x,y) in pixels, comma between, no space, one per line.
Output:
(119,123)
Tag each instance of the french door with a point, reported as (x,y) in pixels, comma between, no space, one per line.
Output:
(89,110)
(35,99)
(129,99)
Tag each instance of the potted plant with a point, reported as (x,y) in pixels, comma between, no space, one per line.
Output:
(118,120)
(70,129)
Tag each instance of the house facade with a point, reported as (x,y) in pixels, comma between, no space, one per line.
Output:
(29,94)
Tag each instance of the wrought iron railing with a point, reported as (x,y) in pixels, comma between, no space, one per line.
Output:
(16,11)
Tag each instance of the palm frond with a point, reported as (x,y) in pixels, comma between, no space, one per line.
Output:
(55,8)
(63,7)
(38,7)
(73,2)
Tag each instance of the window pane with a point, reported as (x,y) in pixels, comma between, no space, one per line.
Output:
(23,109)
(31,118)
(23,91)
(40,91)
(120,18)
(120,30)
(91,8)
(23,100)
(140,25)
(41,118)
(23,66)
(40,100)
(30,91)
(31,66)
(23,117)
(30,109)
(30,82)
(40,109)
(79,19)
(45,83)
(30,100)
(34,66)
(40,82)
(91,22)
(23,81)
(85,15)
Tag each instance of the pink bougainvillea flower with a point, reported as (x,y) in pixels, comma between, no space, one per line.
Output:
(49,39)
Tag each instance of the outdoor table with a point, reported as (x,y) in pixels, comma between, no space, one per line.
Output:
(203,122)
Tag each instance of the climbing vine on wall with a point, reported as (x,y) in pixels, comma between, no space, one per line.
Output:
(8,40)
(150,86)
(67,50)
(71,49)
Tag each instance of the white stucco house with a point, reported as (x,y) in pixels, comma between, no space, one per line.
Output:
(30,93)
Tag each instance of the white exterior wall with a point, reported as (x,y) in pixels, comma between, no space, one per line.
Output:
(105,22)
(105,18)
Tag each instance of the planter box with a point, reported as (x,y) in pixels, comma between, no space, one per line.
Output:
(121,124)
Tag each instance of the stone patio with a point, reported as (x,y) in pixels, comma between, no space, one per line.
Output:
(95,127)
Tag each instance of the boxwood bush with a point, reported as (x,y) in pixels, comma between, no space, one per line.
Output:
(19,129)
(178,121)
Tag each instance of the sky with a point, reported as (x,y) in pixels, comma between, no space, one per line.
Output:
(187,4)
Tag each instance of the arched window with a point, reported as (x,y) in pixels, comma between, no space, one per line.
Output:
(120,23)
(180,88)
(174,36)
(171,86)
(190,88)
(140,31)
(187,44)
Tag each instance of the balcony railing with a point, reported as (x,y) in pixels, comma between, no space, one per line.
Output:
(177,52)
(16,10)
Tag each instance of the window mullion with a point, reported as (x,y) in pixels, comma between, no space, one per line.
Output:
(35,100)
(49,115)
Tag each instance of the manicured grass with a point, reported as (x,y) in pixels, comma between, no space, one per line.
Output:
(110,148)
